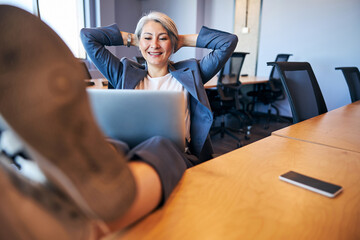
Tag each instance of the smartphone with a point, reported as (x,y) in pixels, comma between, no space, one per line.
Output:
(312,184)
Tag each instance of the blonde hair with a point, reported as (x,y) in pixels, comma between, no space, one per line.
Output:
(164,20)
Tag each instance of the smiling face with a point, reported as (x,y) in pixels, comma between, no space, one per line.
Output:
(155,45)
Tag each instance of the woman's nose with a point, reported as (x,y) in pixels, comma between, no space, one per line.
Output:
(154,43)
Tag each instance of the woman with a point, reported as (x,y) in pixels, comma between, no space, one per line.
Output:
(157,38)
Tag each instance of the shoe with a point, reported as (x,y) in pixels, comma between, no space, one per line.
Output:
(30,210)
(43,99)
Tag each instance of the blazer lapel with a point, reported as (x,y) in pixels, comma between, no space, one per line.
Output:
(133,76)
(186,78)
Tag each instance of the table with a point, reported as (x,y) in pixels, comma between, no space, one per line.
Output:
(339,128)
(245,80)
(102,83)
(239,196)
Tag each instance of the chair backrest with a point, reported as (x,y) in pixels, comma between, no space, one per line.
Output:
(229,91)
(282,57)
(303,91)
(274,78)
(233,67)
(352,77)
(85,68)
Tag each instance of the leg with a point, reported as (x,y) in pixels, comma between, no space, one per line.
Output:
(157,166)
(31,210)
(43,99)
(34,197)
(148,195)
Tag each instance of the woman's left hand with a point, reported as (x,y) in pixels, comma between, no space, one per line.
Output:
(188,40)
(180,43)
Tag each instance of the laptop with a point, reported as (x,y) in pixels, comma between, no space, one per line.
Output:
(134,116)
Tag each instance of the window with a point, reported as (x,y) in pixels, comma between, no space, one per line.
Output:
(24,4)
(65,17)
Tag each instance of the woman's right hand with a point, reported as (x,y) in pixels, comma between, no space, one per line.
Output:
(134,40)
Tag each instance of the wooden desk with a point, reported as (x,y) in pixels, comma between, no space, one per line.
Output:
(338,128)
(244,80)
(239,196)
(102,83)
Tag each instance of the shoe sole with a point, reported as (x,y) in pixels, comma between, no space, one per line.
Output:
(22,199)
(43,99)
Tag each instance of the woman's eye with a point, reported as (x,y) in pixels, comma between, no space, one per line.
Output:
(147,38)
(163,39)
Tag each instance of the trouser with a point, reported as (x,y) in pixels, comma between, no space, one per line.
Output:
(163,155)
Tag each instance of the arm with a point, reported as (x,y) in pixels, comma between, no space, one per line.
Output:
(95,40)
(223,45)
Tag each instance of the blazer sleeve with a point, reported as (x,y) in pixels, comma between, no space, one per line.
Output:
(94,41)
(223,45)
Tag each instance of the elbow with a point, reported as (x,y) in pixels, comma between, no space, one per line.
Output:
(233,42)
(85,36)
(83,33)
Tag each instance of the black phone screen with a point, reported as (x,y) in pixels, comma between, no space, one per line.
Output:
(316,184)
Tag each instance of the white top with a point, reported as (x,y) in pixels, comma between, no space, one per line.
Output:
(168,83)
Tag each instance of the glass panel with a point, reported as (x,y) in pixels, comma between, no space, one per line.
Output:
(24,4)
(66,18)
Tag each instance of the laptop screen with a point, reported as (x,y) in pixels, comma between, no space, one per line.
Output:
(133,116)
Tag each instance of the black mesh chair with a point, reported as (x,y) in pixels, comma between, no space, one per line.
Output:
(85,68)
(228,99)
(303,91)
(352,77)
(272,91)
(88,80)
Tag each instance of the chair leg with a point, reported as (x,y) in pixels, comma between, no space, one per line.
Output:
(246,124)
(278,117)
(277,112)
(222,130)
(268,116)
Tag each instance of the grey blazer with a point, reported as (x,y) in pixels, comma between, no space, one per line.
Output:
(192,74)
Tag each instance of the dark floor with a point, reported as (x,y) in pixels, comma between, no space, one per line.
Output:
(227,143)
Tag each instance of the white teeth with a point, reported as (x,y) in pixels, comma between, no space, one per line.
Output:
(154,53)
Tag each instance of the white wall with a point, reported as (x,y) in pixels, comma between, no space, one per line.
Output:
(106,15)
(219,14)
(325,33)
(127,14)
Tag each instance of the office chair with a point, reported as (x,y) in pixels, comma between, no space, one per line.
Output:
(303,91)
(85,68)
(270,92)
(88,78)
(352,77)
(228,98)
